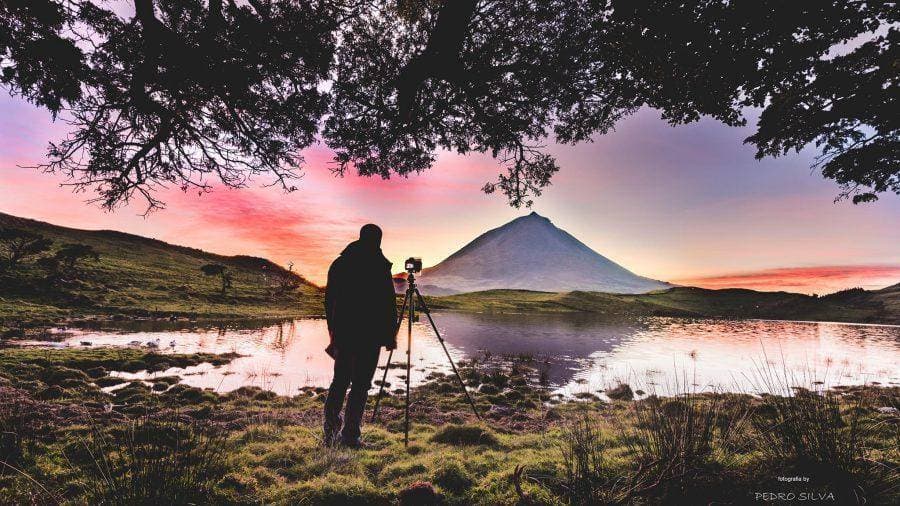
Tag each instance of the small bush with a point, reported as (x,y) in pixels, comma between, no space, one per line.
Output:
(19,420)
(463,435)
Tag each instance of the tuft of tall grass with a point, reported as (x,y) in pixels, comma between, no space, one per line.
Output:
(582,456)
(16,427)
(23,423)
(154,459)
(802,424)
(672,440)
(589,478)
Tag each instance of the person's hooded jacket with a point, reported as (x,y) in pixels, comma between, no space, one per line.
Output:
(360,304)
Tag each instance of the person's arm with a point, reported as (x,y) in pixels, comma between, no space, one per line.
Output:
(332,292)
(391,299)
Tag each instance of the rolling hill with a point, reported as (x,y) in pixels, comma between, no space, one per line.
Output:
(531,253)
(140,276)
(855,305)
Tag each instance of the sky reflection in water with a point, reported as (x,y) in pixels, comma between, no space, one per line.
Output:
(579,352)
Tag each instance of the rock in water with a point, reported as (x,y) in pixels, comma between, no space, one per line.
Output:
(530,253)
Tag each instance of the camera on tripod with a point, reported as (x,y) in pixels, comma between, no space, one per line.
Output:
(411,301)
(413,265)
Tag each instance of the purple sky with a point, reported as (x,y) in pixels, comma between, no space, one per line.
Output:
(686,204)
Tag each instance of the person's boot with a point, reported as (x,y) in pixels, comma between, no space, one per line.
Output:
(354,444)
(331,438)
(356,405)
(332,428)
(334,422)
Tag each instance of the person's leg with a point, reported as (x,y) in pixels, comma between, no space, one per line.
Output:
(343,367)
(361,382)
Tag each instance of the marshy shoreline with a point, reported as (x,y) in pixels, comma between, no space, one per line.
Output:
(67,440)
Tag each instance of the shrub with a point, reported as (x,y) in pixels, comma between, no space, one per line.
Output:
(808,427)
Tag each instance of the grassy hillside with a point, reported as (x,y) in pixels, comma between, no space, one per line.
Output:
(139,276)
(881,306)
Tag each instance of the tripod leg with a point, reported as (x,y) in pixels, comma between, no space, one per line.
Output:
(409,325)
(444,346)
(387,366)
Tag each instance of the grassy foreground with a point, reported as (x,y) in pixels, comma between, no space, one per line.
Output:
(138,276)
(855,305)
(64,440)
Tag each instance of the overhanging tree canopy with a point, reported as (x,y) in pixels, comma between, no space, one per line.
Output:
(187,90)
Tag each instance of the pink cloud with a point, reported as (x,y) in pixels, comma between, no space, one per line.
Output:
(822,279)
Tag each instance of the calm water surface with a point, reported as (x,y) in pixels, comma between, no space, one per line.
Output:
(579,353)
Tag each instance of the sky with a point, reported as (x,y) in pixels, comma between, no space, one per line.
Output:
(686,204)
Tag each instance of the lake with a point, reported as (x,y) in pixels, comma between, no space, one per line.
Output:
(578,352)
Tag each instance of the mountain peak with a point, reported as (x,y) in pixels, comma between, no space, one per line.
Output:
(532,217)
(532,253)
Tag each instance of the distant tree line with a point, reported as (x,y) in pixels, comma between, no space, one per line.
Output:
(185,92)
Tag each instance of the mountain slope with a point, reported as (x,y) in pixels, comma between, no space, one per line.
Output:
(142,276)
(530,253)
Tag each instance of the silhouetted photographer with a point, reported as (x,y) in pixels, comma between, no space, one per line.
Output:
(360,306)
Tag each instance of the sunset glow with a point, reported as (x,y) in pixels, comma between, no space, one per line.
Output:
(823,279)
(687,204)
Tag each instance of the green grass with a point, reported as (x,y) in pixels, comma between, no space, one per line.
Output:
(881,306)
(145,277)
(253,447)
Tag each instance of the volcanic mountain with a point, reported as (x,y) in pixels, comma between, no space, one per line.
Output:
(531,253)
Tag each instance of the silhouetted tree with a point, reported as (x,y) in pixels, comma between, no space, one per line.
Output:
(63,266)
(17,245)
(218,270)
(283,282)
(70,254)
(181,90)
(502,76)
(187,89)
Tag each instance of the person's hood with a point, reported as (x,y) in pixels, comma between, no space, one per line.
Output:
(359,249)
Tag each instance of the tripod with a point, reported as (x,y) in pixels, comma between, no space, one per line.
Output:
(409,304)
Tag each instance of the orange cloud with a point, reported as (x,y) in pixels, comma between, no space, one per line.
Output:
(261,223)
(822,279)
